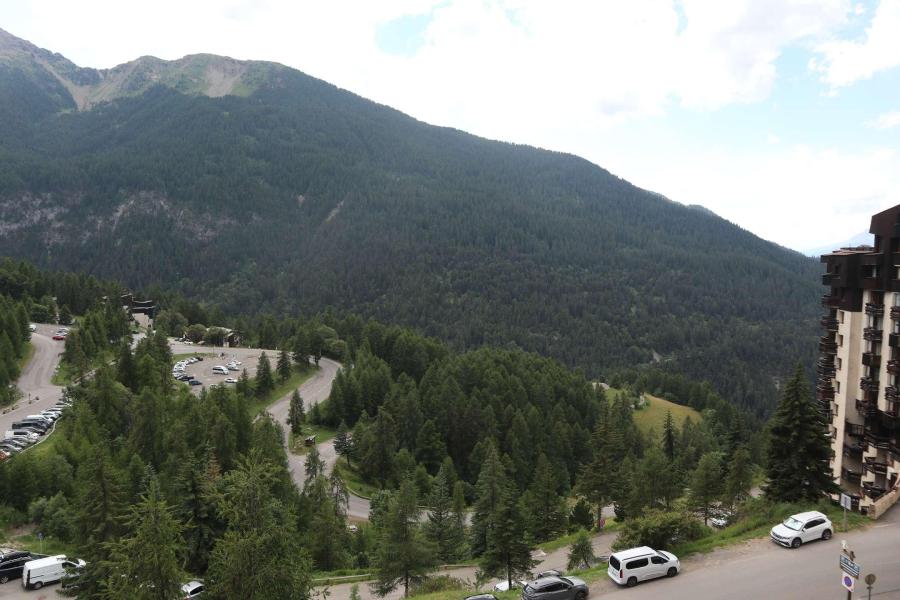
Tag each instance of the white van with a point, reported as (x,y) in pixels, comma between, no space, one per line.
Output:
(628,567)
(38,573)
(220,370)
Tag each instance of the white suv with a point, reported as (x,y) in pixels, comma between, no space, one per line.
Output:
(801,528)
(628,567)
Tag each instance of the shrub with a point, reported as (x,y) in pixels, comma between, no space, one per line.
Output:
(440,583)
(10,517)
(659,529)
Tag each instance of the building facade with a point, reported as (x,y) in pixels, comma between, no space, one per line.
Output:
(858,371)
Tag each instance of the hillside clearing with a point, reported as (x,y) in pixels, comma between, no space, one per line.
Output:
(653,415)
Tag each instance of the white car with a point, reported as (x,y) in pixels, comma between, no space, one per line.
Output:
(192,589)
(631,566)
(801,528)
(503,586)
(231,380)
(32,327)
(220,370)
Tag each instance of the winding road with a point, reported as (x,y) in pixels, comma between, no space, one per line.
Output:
(38,393)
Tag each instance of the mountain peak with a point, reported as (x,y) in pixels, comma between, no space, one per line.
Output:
(195,74)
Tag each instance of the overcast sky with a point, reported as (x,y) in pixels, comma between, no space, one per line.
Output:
(782,116)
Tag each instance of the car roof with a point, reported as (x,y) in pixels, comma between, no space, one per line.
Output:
(545,581)
(634,552)
(45,562)
(806,516)
(190,585)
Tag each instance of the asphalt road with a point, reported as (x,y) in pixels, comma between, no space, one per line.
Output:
(37,392)
(315,390)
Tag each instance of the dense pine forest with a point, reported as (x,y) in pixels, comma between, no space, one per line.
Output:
(293,196)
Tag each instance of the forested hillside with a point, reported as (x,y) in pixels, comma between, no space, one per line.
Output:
(290,195)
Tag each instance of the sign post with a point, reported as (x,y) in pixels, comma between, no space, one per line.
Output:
(870,580)
(846,504)
(849,567)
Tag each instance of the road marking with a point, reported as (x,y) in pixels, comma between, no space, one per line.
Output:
(883,526)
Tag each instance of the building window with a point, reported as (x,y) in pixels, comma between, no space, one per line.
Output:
(841,314)
(838,363)
(840,341)
(837,387)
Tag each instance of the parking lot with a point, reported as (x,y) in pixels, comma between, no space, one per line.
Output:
(213,356)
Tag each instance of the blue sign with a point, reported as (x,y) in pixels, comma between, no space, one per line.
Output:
(847,582)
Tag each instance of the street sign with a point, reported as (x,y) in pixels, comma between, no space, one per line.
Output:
(846,502)
(847,582)
(870,579)
(849,567)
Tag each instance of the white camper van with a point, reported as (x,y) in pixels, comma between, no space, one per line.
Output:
(38,573)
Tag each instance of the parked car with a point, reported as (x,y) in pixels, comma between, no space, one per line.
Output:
(59,336)
(40,426)
(198,358)
(38,573)
(32,327)
(192,589)
(555,588)
(30,435)
(503,586)
(220,370)
(631,566)
(801,528)
(481,597)
(195,382)
(231,380)
(12,563)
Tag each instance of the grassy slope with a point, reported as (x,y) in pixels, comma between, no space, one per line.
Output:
(29,352)
(293,382)
(653,415)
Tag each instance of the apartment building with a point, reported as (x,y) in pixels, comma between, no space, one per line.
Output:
(858,382)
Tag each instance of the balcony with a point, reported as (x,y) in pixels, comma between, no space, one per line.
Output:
(870,359)
(851,476)
(854,450)
(830,279)
(891,393)
(871,465)
(829,301)
(894,340)
(825,392)
(875,310)
(855,430)
(868,384)
(893,367)
(873,491)
(872,334)
(866,407)
(877,440)
(895,313)
(829,323)
(827,345)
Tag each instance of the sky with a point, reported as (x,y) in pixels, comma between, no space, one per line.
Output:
(782,116)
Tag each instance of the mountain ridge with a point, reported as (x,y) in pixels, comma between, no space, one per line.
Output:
(299,196)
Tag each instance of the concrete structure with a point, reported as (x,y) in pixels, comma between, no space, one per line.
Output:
(858,383)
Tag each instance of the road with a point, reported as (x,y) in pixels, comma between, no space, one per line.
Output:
(34,382)
(315,390)
(556,559)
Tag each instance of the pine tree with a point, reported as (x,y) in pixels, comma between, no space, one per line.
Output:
(404,554)
(343,442)
(284,365)
(264,382)
(144,564)
(296,413)
(489,489)
(581,552)
(260,555)
(706,483)
(799,450)
(581,516)
(506,552)
(65,315)
(442,528)
(544,508)
(315,466)
(244,387)
(597,478)
(668,438)
(740,476)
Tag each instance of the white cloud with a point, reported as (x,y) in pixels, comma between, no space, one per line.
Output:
(887,120)
(797,196)
(844,62)
(772,138)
